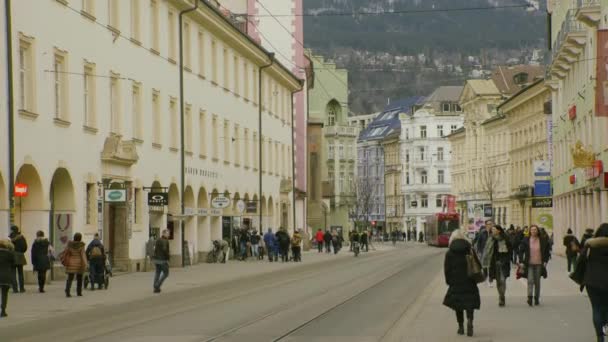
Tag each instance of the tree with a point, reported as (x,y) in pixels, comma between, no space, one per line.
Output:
(364,191)
(490,181)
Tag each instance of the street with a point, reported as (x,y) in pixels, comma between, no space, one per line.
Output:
(386,295)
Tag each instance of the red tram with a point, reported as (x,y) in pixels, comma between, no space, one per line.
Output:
(439,227)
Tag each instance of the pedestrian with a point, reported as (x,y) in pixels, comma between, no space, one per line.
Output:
(20,244)
(161,258)
(96,255)
(363,239)
(41,258)
(572,248)
(394,237)
(587,235)
(335,242)
(596,278)
(327,240)
(421,237)
(296,249)
(319,240)
(462,295)
(283,241)
(255,244)
(535,255)
(7,261)
(75,262)
(244,242)
(497,257)
(270,241)
(481,241)
(514,243)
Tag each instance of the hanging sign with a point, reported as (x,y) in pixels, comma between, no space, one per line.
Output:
(252,207)
(220,202)
(240,206)
(542,203)
(115,195)
(158,198)
(21,190)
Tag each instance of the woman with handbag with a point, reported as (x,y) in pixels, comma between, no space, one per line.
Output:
(535,254)
(75,262)
(41,258)
(463,294)
(596,278)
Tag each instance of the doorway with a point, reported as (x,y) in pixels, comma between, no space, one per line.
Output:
(118,241)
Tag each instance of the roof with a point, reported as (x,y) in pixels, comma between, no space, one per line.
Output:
(521,91)
(504,77)
(484,87)
(445,94)
(494,118)
(388,121)
(456,132)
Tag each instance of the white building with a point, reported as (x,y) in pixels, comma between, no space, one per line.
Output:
(426,155)
(96,93)
(362,121)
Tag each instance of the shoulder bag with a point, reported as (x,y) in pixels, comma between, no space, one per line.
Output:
(474,270)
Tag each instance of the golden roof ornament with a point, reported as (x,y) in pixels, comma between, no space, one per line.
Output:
(582,158)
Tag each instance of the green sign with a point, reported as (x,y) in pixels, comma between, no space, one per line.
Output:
(115,195)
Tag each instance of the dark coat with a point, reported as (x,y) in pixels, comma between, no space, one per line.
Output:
(283,239)
(7,261)
(504,258)
(524,250)
(480,239)
(462,292)
(20,244)
(568,240)
(327,237)
(596,273)
(40,255)
(93,244)
(161,250)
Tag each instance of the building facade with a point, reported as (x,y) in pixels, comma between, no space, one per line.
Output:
(576,78)
(392,181)
(107,129)
(331,144)
(426,154)
(362,121)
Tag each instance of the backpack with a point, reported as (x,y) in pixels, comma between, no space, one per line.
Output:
(96,252)
(295,240)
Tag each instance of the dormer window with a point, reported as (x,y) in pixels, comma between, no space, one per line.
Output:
(445,107)
(521,78)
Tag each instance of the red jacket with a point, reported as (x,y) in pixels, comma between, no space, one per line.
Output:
(319,236)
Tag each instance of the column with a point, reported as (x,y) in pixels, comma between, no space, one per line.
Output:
(603,206)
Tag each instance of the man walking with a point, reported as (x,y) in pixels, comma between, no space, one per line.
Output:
(327,240)
(319,240)
(481,245)
(572,247)
(18,240)
(255,244)
(161,260)
(270,241)
(364,240)
(283,240)
(97,259)
(296,249)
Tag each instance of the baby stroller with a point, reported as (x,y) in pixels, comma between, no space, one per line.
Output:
(103,277)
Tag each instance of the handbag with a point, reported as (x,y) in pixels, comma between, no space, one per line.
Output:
(580,266)
(64,257)
(543,272)
(474,271)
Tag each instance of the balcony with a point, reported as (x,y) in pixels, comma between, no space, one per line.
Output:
(344,131)
(568,44)
(328,189)
(589,12)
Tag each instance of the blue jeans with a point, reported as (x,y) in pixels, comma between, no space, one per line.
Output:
(599,306)
(161,267)
(96,272)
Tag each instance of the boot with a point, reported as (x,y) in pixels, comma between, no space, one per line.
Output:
(460,328)
(536,301)
(501,301)
(3,313)
(67,293)
(530,300)
(470,328)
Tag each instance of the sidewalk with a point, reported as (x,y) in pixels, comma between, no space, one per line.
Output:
(564,313)
(129,287)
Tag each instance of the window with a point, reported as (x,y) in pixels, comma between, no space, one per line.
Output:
(26,74)
(438,201)
(453,128)
(236,62)
(154,25)
(202,133)
(445,107)
(201,54)
(440,153)
(60,81)
(157,138)
(89,95)
(226,65)
(407,134)
(135,20)
(137,111)
(137,205)
(407,178)
(407,156)
(457,108)
(424,201)
(255,93)
(440,130)
(423,132)
(421,149)
(172,39)
(246,149)
(88,7)
(188,128)
(423,177)
(331,115)
(214,137)
(113,14)
(115,104)
(91,202)
(237,145)
(246,84)
(256,150)
(440,176)
(214,62)
(187,36)
(174,120)
(226,139)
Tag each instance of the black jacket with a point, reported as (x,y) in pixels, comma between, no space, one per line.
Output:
(283,238)
(161,250)
(480,239)
(504,258)
(255,239)
(462,292)
(20,244)
(596,273)
(585,237)
(327,237)
(7,260)
(40,255)
(568,239)
(93,244)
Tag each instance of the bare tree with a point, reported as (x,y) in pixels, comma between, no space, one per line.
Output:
(364,190)
(490,181)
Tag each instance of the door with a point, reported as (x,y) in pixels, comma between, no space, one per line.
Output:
(118,241)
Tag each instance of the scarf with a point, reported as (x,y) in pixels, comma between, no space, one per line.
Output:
(488,250)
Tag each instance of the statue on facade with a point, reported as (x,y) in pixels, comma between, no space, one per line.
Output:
(581,157)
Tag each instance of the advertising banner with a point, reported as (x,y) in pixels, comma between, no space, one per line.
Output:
(601,93)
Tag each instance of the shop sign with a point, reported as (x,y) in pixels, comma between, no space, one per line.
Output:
(542,203)
(240,206)
(542,188)
(21,190)
(595,171)
(251,207)
(572,179)
(202,212)
(158,198)
(606,180)
(115,195)
(487,210)
(220,202)
(215,212)
(189,211)
(572,112)
(542,168)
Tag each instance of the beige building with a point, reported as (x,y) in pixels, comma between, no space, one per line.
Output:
(392,182)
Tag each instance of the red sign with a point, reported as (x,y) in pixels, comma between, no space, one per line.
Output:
(606,180)
(601,95)
(572,112)
(572,179)
(20,190)
(595,171)
(451,204)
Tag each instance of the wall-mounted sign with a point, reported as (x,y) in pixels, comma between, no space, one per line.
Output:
(190,211)
(572,179)
(215,212)
(202,212)
(542,202)
(595,171)
(220,202)
(487,210)
(572,112)
(542,168)
(21,190)
(240,206)
(251,207)
(158,198)
(115,195)
(542,188)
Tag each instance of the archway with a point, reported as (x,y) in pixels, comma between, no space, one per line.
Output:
(63,207)
(115,226)
(30,211)
(174,225)
(203,234)
(190,223)
(246,217)
(333,112)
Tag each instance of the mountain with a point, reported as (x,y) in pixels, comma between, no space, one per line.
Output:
(414,48)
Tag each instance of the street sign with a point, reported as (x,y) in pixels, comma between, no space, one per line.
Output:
(240,206)
(21,190)
(115,195)
(158,198)
(220,202)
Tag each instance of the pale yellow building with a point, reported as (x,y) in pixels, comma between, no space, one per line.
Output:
(392,183)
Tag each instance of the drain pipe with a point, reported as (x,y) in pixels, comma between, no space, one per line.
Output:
(11,111)
(181,124)
(260,159)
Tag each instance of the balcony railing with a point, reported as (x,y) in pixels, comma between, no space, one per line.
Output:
(341,131)
(589,12)
(570,26)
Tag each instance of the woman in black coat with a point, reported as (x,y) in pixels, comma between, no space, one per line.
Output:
(7,262)
(40,258)
(500,261)
(463,294)
(596,277)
